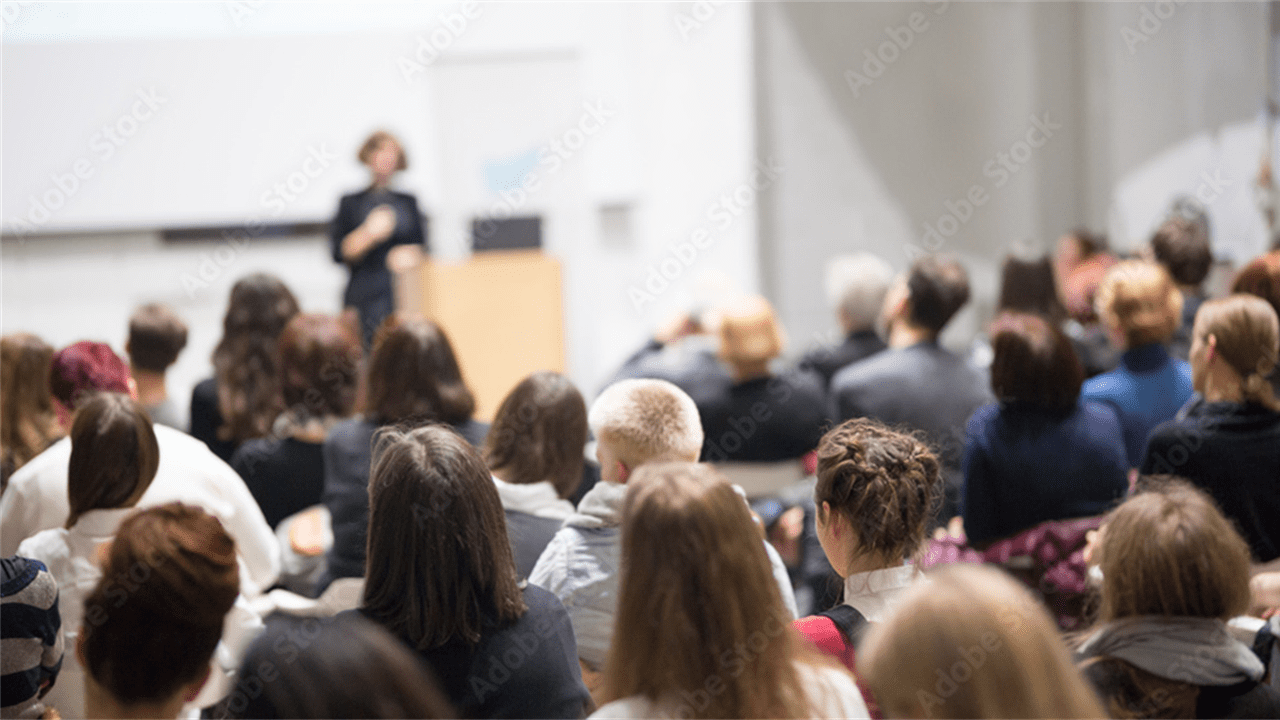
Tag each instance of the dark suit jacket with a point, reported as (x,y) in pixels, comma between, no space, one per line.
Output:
(768,419)
(827,361)
(924,387)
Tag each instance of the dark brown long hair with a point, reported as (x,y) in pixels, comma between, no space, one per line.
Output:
(114,455)
(152,623)
(439,566)
(697,601)
(414,375)
(245,362)
(28,422)
(539,433)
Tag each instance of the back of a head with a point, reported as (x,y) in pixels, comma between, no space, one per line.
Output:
(245,362)
(86,367)
(1170,552)
(973,643)
(937,288)
(750,332)
(1140,300)
(156,336)
(439,566)
(114,455)
(260,304)
(26,403)
(413,374)
(1027,285)
(1182,247)
(539,432)
(1034,362)
(885,482)
(1247,335)
(145,640)
(696,583)
(1261,277)
(856,286)
(319,366)
(333,668)
(647,420)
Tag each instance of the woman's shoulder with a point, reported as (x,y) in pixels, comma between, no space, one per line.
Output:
(833,693)
(48,546)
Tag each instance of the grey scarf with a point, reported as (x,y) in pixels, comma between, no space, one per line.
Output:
(1199,651)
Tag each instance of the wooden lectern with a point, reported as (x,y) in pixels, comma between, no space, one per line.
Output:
(503,312)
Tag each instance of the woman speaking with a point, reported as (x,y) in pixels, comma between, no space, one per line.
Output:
(376,233)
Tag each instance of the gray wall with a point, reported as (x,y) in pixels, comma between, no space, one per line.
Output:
(868,171)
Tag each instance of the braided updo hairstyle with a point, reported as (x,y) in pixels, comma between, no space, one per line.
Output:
(884,482)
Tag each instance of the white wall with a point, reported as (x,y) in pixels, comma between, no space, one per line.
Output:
(245,102)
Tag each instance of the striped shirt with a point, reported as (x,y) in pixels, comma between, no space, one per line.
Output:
(30,635)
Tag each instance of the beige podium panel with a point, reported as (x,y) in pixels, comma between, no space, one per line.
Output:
(503,312)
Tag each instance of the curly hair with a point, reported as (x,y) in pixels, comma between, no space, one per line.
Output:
(885,482)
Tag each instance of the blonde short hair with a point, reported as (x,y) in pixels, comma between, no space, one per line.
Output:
(749,332)
(1140,298)
(647,420)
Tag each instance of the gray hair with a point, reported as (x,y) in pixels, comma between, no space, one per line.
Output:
(856,286)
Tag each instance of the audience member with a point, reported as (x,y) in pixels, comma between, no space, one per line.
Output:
(1140,304)
(31,632)
(441,578)
(634,422)
(1039,453)
(916,381)
(1080,262)
(875,496)
(1173,570)
(156,336)
(1181,245)
(1261,277)
(973,643)
(756,415)
(151,625)
(319,360)
(1028,286)
(535,452)
(1227,440)
(856,286)
(114,456)
(85,368)
(748,413)
(188,471)
(28,421)
(243,398)
(412,377)
(333,668)
(712,638)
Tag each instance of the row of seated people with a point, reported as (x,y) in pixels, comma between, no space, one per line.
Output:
(445,627)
